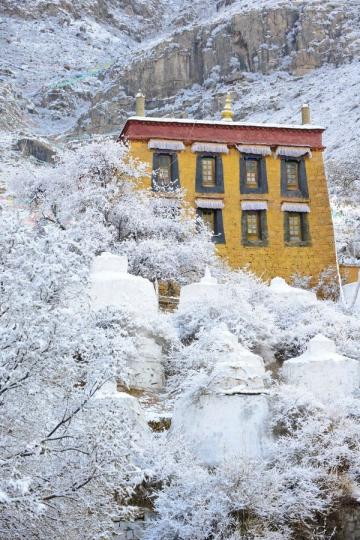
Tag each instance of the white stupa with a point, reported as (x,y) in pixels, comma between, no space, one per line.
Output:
(206,289)
(279,286)
(229,419)
(112,285)
(322,370)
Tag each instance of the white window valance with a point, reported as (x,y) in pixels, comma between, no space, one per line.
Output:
(211,204)
(295,207)
(259,150)
(162,144)
(210,147)
(254,205)
(293,151)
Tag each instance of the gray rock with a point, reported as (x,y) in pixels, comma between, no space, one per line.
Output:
(36,148)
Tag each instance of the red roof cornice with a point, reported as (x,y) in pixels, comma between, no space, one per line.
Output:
(232,133)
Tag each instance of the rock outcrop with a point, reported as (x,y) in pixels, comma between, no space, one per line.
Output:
(36,148)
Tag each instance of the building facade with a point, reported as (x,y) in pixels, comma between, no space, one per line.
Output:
(261,188)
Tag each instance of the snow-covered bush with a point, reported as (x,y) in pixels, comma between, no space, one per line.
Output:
(95,192)
(297,321)
(313,464)
(344,181)
(60,460)
(239,306)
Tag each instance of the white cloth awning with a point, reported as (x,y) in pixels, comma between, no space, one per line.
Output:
(295,207)
(162,144)
(293,151)
(254,205)
(212,204)
(259,150)
(210,147)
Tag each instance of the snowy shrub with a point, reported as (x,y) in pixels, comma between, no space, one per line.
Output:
(300,281)
(60,460)
(313,464)
(238,306)
(237,500)
(344,181)
(297,321)
(94,192)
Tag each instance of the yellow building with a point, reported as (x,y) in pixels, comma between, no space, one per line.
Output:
(261,187)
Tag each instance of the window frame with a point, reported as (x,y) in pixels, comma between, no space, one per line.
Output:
(262,186)
(219,173)
(305,230)
(174,177)
(263,241)
(303,191)
(219,235)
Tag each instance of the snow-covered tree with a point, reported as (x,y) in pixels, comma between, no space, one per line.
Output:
(64,452)
(95,191)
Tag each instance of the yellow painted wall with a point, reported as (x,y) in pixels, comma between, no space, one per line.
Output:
(276,259)
(349,272)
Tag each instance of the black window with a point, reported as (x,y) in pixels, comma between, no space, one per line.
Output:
(209,173)
(254,228)
(293,177)
(213,219)
(253,174)
(296,229)
(165,174)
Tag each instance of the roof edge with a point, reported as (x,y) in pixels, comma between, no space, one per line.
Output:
(187,121)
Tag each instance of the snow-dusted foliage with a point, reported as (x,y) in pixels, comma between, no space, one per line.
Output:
(94,192)
(60,459)
(344,180)
(314,462)
(252,323)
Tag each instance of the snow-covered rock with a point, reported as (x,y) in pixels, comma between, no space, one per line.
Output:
(207,289)
(279,286)
(111,285)
(146,370)
(228,420)
(322,370)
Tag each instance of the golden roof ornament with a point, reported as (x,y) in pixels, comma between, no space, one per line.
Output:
(227,113)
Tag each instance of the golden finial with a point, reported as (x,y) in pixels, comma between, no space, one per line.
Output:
(227,113)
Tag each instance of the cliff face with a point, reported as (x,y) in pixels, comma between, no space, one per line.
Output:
(296,39)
